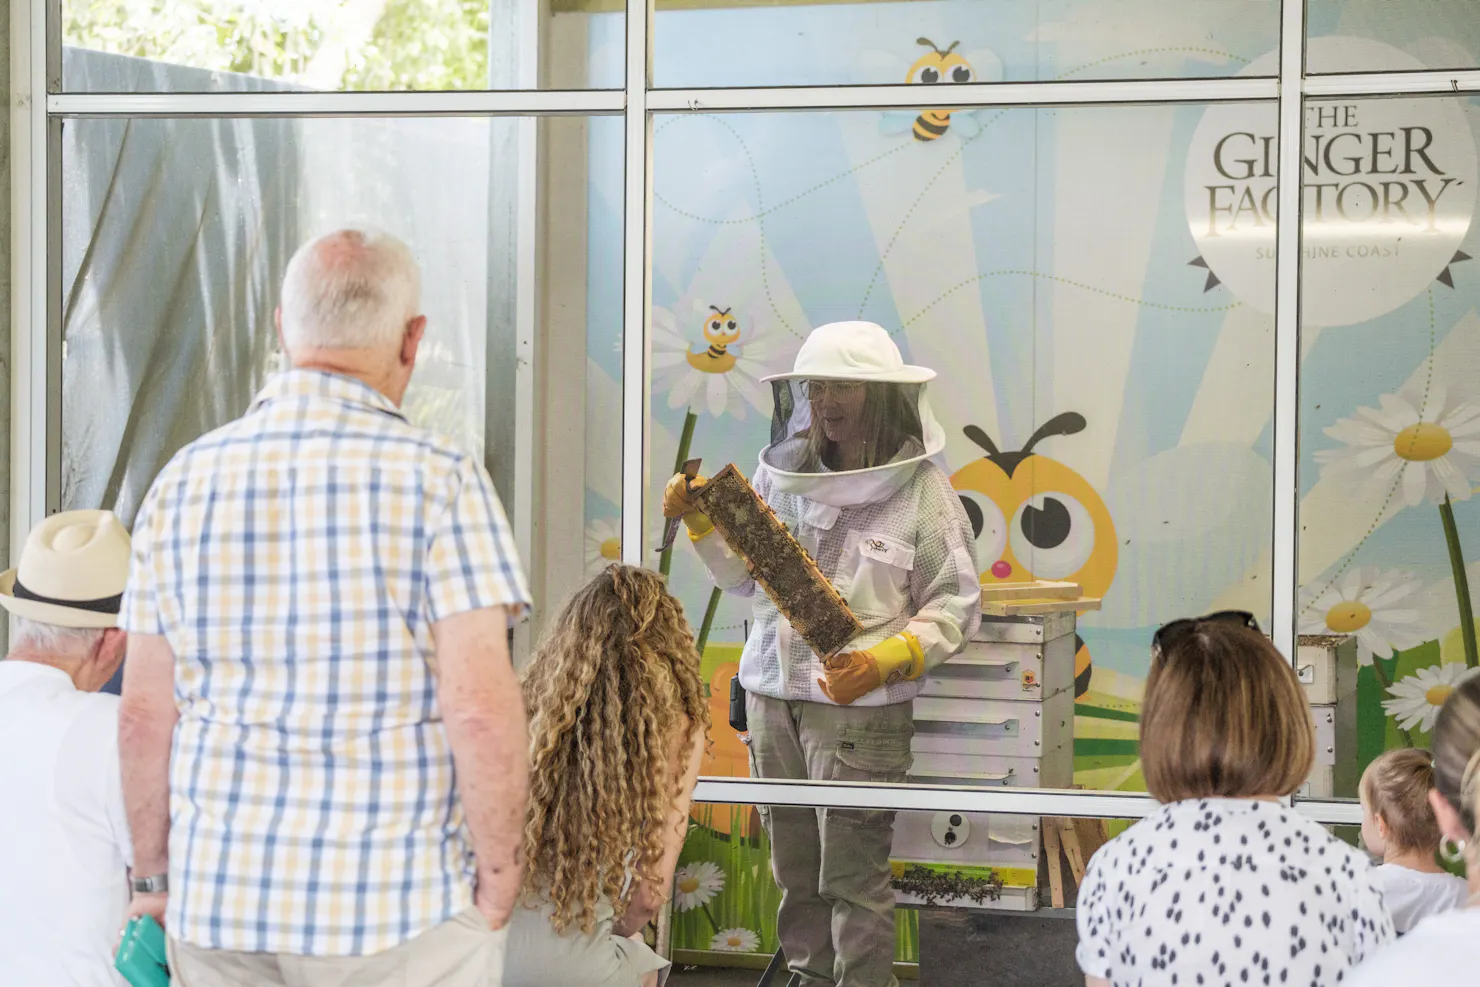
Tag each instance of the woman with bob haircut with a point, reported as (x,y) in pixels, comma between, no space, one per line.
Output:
(1440,950)
(1223,883)
(617,724)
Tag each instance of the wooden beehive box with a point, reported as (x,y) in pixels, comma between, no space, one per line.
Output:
(1034,599)
(778,562)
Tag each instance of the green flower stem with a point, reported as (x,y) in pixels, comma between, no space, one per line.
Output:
(1387,683)
(703,637)
(710,915)
(1461,583)
(665,558)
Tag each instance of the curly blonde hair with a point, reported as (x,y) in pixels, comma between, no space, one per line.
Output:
(613,690)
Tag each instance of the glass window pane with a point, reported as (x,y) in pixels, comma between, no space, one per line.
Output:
(1093,287)
(361,45)
(977,897)
(1379,36)
(1390,424)
(949,41)
(175,235)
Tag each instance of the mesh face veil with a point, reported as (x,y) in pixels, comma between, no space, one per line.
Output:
(834,426)
(850,420)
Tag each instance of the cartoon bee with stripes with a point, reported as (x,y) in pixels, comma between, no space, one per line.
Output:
(935,67)
(932,68)
(1035,518)
(721,331)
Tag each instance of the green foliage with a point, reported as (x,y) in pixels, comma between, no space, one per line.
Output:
(271,40)
(1376,731)
(414,44)
(425,45)
(750,897)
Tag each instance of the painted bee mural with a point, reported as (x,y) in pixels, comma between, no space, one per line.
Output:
(1035,518)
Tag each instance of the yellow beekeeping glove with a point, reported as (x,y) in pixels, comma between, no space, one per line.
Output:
(856,673)
(679,502)
(698,524)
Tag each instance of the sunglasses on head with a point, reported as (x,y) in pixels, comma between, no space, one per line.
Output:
(1169,632)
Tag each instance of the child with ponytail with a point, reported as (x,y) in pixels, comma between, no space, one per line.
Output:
(1399,825)
(1440,950)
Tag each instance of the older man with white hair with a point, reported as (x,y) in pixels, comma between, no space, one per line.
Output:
(65,848)
(323,742)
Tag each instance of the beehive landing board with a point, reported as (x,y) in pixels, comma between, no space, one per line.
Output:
(778,562)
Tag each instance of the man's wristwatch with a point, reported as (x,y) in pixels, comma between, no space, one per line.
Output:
(157,884)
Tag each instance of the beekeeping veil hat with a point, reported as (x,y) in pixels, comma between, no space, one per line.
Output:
(899,429)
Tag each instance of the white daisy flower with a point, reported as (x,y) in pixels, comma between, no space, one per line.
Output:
(715,364)
(603,544)
(1431,441)
(736,940)
(1416,699)
(1378,607)
(696,884)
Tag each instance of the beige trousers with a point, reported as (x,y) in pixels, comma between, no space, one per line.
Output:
(836,922)
(461,952)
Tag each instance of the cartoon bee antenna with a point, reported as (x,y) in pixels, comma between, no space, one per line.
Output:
(933,47)
(1067,423)
(719,310)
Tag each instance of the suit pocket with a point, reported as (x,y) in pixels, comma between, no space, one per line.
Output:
(881,575)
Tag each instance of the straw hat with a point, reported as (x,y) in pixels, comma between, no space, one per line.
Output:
(72,573)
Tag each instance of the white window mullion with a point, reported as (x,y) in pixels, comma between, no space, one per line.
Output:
(981,94)
(526,102)
(1393,83)
(1331,813)
(637,243)
(946,798)
(34,487)
(1287,330)
(924,798)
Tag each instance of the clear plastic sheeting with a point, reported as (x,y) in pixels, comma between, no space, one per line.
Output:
(175,234)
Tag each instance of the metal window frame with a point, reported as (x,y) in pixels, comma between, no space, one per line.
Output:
(38,109)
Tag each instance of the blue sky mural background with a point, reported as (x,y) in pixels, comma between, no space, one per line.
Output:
(1040,267)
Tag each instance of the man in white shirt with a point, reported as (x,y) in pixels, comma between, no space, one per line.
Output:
(66,849)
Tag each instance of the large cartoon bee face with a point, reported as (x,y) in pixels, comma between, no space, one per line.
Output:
(721,328)
(1035,518)
(940,66)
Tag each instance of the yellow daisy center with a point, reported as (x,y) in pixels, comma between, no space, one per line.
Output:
(1437,694)
(611,549)
(733,941)
(1348,617)
(688,885)
(1423,442)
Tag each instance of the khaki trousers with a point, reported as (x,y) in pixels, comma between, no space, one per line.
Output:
(836,922)
(461,952)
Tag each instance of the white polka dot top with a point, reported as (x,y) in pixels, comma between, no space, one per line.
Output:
(1224,893)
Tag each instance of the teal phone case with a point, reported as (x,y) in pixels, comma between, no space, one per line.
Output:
(141,954)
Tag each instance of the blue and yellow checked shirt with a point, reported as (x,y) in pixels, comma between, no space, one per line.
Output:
(296,560)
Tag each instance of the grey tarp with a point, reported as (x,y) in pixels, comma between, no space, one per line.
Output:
(175,233)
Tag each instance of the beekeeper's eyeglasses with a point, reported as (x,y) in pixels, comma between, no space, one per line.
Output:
(816,390)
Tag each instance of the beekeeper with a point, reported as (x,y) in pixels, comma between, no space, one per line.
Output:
(850,473)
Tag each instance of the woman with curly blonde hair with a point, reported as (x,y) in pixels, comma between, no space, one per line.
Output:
(617,720)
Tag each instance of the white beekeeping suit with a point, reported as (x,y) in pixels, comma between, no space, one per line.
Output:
(849,471)
(892,538)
